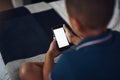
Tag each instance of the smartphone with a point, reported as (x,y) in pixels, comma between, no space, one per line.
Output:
(61,38)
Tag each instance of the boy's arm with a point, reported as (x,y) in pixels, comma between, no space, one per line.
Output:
(48,66)
(49,59)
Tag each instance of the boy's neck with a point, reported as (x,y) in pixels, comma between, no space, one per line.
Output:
(93,33)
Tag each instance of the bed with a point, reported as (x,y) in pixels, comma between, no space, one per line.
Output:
(9,69)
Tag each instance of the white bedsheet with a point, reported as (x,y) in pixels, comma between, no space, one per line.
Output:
(3,72)
(38,7)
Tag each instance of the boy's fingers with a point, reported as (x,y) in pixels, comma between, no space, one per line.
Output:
(66,29)
(54,40)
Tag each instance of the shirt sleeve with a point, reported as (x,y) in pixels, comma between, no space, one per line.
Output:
(62,70)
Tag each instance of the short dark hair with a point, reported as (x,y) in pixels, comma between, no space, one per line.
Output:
(93,14)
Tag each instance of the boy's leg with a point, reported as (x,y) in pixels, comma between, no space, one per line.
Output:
(31,71)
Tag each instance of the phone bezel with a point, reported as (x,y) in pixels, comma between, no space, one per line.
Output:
(65,47)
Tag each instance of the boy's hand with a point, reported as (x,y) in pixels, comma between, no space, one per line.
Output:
(71,37)
(53,50)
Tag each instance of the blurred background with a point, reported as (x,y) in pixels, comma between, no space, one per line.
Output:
(9,4)
(5,5)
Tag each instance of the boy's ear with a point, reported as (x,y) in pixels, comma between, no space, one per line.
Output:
(75,24)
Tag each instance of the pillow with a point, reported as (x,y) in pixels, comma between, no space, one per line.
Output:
(26,37)
(21,37)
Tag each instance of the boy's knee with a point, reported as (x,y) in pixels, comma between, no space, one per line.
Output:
(30,70)
(25,69)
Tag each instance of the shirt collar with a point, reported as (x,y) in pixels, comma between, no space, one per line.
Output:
(95,40)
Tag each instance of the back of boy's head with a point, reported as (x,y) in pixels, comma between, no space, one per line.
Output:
(93,14)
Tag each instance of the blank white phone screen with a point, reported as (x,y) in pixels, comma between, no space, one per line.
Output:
(61,37)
